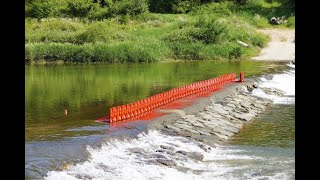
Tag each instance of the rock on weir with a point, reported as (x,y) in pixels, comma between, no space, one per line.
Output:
(214,120)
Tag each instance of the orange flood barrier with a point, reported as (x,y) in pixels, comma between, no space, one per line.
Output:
(144,107)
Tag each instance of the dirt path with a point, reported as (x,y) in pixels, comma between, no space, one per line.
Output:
(281,47)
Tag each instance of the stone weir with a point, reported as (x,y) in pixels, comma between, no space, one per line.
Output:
(214,120)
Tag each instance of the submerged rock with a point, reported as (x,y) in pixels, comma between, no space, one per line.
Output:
(193,155)
(166,162)
(173,128)
(183,126)
(231,105)
(220,135)
(185,133)
(197,124)
(273,91)
(157,156)
(220,110)
(204,147)
(203,132)
(137,151)
(231,129)
(260,106)
(167,147)
(243,116)
(181,152)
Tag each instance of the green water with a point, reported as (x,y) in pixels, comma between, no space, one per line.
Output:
(269,140)
(88,91)
(275,127)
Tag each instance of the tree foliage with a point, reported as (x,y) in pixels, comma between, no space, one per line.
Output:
(38,9)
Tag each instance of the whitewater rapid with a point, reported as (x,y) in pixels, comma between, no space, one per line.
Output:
(284,82)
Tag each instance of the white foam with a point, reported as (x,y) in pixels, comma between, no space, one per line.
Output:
(291,65)
(277,176)
(115,161)
(284,82)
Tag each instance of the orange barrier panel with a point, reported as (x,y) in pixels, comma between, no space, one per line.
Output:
(241,76)
(143,107)
(112,115)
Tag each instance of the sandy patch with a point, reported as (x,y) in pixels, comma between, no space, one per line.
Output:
(281,47)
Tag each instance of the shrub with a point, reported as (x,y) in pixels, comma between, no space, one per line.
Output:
(188,51)
(130,7)
(52,30)
(259,40)
(174,6)
(100,32)
(80,8)
(206,32)
(100,14)
(182,36)
(222,8)
(184,6)
(291,22)
(38,9)
(209,31)
(235,51)
(161,6)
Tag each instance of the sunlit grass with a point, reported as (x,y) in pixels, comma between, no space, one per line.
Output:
(207,32)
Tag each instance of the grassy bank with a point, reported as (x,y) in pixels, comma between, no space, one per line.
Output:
(206,32)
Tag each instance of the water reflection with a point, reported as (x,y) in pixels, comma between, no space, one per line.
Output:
(88,91)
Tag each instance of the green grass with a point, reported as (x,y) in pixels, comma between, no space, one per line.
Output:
(208,32)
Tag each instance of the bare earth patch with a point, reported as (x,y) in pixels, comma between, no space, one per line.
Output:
(281,47)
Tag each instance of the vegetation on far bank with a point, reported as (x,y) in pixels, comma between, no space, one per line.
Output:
(148,30)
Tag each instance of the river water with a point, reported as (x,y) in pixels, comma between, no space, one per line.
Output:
(73,146)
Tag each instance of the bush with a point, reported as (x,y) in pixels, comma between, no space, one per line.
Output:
(188,51)
(104,3)
(80,8)
(52,30)
(203,31)
(235,51)
(209,31)
(100,14)
(100,32)
(130,7)
(259,40)
(38,9)
(182,36)
(184,6)
(291,22)
(223,8)
(174,6)
(161,6)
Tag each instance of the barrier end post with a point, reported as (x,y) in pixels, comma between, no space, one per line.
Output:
(241,76)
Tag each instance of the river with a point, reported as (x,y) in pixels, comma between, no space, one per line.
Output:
(60,146)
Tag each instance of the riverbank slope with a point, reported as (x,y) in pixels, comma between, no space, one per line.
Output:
(211,31)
